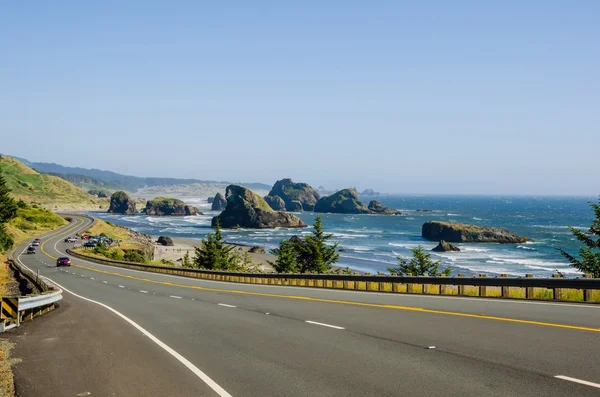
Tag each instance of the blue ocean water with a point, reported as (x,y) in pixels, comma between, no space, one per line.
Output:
(372,242)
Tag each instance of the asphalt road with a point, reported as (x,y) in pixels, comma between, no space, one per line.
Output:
(223,339)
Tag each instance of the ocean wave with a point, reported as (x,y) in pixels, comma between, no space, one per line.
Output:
(451,214)
(560,227)
(412,245)
(477,219)
(367,259)
(526,248)
(357,248)
(471,249)
(347,235)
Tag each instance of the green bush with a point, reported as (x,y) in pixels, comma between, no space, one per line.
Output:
(6,241)
(132,256)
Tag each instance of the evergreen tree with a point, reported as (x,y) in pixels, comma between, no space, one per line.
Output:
(311,255)
(286,258)
(590,251)
(213,254)
(315,254)
(186,260)
(419,265)
(8,206)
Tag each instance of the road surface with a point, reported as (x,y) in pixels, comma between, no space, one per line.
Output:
(196,337)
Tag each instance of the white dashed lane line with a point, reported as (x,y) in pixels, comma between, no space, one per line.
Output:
(324,325)
(580,381)
(143,292)
(226,305)
(175,296)
(121,286)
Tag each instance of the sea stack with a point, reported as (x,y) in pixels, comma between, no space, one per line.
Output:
(249,210)
(464,233)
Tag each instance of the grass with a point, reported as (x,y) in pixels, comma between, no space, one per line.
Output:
(7,386)
(46,190)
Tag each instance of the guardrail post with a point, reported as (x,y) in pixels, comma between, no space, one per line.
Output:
(461,288)
(505,290)
(409,288)
(380,286)
(557,291)
(587,293)
(529,292)
(482,288)
(395,287)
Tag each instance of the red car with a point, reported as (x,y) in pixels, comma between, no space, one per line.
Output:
(63,261)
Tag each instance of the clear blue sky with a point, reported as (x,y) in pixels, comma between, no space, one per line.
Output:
(401,96)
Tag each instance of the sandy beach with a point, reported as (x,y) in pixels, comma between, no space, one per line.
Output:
(182,245)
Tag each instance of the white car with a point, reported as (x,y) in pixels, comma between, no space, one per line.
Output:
(35,244)
(71,240)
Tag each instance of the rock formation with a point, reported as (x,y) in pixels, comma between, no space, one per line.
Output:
(121,203)
(163,206)
(377,208)
(443,246)
(463,233)
(249,210)
(275,202)
(290,192)
(342,202)
(219,202)
(165,240)
(210,200)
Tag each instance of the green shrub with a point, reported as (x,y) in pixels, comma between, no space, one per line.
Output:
(132,256)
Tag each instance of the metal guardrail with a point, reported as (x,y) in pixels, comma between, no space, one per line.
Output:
(16,309)
(481,286)
(31,302)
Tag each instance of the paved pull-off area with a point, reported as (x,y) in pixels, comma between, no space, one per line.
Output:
(121,332)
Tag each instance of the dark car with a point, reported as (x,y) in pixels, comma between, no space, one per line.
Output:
(90,244)
(63,261)
(30,250)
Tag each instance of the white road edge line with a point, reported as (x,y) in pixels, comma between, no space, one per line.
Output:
(121,286)
(324,325)
(143,292)
(175,296)
(195,370)
(583,382)
(225,304)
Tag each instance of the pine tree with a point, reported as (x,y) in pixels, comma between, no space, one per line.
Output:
(286,258)
(316,256)
(419,265)
(214,254)
(186,260)
(8,206)
(590,251)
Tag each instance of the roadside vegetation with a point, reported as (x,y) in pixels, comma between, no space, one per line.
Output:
(312,254)
(420,264)
(589,253)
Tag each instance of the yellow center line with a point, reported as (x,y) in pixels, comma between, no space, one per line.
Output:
(336,301)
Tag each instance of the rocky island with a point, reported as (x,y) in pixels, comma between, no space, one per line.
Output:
(444,246)
(219,203)
(296,196)
(464,233)
(163,206)
(121,203)
(343,202)
(377,208)
(249,210)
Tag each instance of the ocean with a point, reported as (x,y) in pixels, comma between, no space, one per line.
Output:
(372,243)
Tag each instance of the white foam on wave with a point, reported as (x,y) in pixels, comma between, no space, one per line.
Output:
(411,245)
(451,214)
(347,235)
(560,227)
(343,255)
(471,249)
(357,248)
(477,219)
(526,248)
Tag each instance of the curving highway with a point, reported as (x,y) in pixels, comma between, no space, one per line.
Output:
(126,332)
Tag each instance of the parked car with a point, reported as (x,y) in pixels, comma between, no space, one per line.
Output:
(38,240)
(35,243)
(30,250)
(89,244)
(71,240)
(63,261)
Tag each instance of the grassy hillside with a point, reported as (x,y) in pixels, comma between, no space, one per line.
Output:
(45,190)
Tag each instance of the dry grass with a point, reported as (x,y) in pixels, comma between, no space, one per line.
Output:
(5,276)
(7,387)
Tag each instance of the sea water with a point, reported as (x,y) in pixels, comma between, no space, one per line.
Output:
(372,243)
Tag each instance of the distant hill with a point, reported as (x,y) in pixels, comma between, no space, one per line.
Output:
(44,190)
(115,181)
